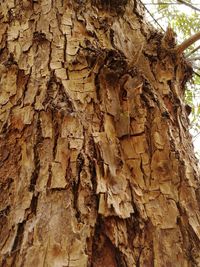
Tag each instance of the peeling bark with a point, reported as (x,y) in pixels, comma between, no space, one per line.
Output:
(97,165)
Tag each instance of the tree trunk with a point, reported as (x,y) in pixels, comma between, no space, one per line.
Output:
(97,166)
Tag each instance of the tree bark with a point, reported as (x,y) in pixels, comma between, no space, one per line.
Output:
(97,165)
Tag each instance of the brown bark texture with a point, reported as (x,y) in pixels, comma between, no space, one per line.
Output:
(96,161)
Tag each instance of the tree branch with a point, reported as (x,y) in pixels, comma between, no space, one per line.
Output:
(182,47)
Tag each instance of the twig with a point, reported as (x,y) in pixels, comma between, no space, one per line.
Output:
(193,51)
(188,4)
(196,73)
(195,137)
(194,58)
(151,15)
(157,19)
(166,3)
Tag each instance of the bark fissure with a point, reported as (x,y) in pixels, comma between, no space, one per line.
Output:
(18,238)
(35,173)
(79,165)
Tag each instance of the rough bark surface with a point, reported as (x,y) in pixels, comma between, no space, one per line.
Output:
(96,162)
